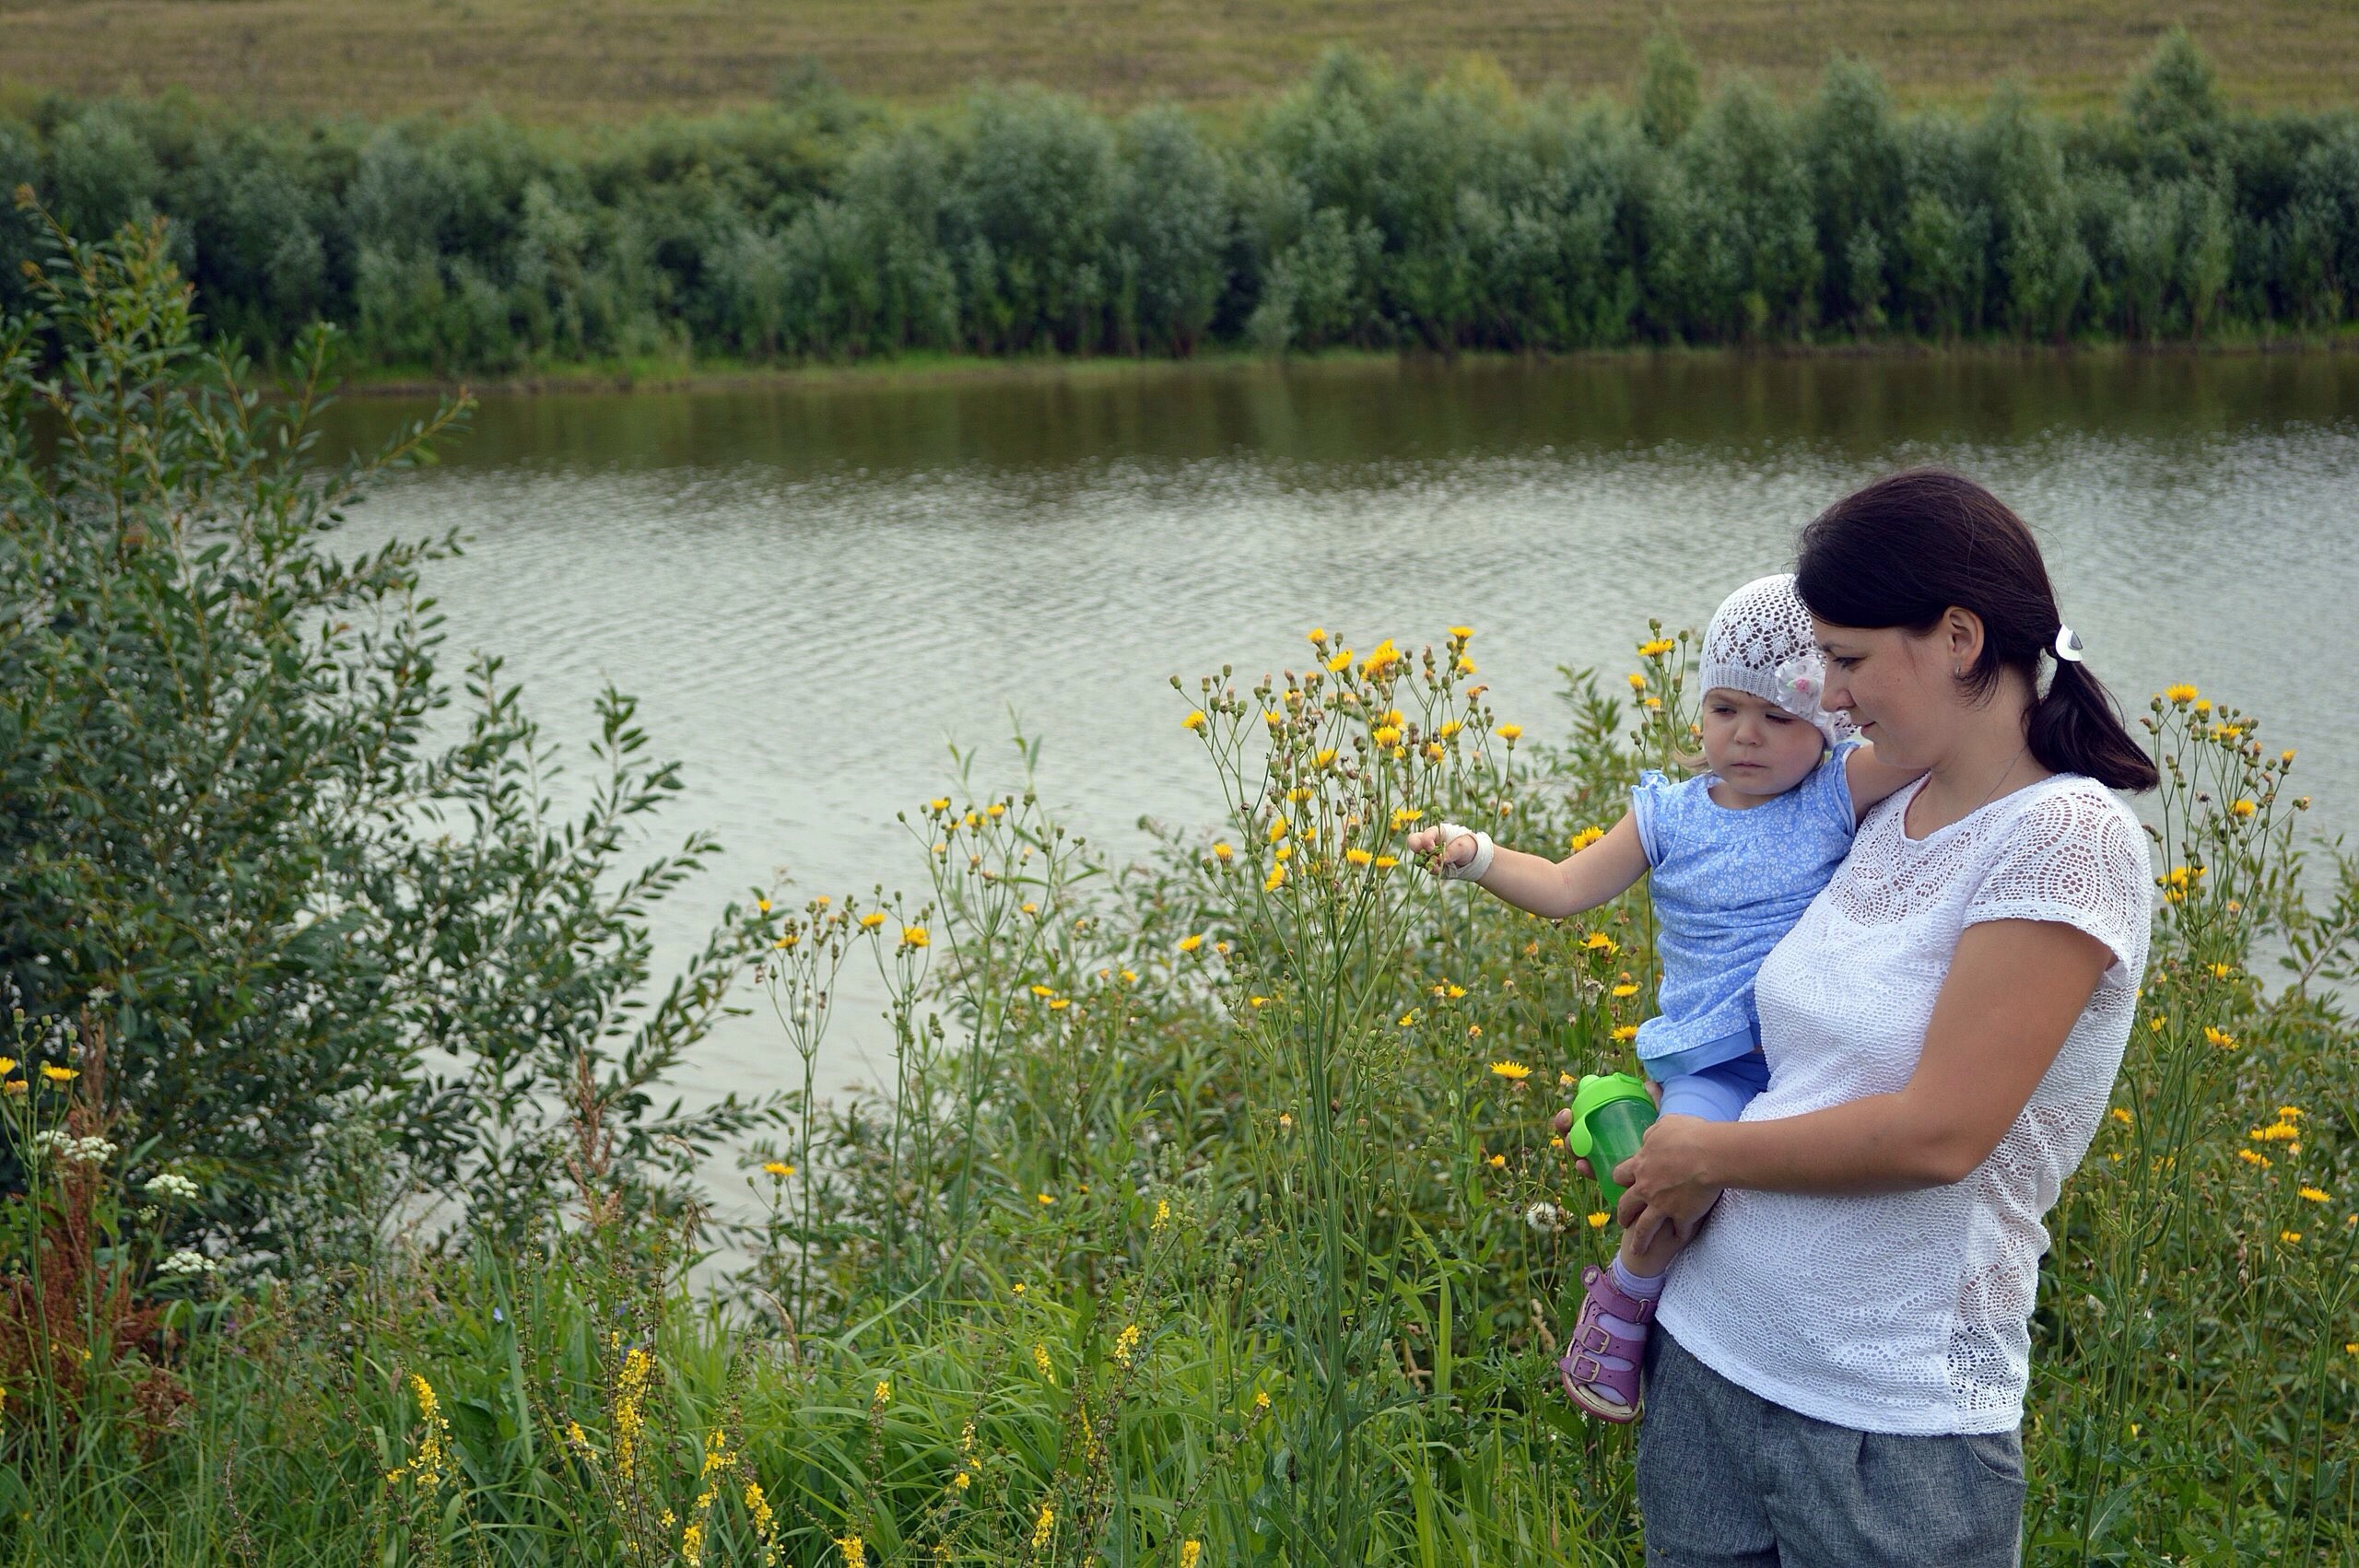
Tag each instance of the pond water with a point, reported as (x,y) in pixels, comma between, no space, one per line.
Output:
(816,588)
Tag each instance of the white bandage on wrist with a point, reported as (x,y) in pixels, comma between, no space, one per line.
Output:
(1474,869)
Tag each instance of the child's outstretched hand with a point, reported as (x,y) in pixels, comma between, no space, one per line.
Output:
(1422,843)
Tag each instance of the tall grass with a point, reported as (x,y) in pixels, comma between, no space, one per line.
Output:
(1212,1214)
(1364,206)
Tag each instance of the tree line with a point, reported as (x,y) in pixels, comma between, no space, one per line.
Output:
(1366,207)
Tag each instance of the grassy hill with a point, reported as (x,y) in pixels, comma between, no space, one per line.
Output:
(577,60)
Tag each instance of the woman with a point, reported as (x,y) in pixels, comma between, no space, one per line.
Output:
(1838,1376)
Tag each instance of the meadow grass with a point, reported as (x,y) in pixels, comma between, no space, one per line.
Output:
(1213,1215)
(537,60)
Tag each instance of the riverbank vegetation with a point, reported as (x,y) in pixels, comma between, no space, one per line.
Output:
(1210,1213)
(1365,207)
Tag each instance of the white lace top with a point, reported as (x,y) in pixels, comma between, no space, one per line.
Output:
(1910,1311)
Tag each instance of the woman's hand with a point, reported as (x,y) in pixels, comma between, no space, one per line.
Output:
(1669,1180)
(1460,851)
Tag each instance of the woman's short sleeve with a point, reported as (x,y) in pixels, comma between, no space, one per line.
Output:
(2075,857)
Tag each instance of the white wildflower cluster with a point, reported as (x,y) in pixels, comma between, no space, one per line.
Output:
(186,1264)
(171,1186)
(75,1150)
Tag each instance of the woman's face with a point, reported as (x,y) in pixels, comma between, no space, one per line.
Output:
(1898,687)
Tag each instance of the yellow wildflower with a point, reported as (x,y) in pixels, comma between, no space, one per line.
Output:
(1058,1004)
(2219,1037)
(1656,649)
(1637,682)
(2244,807)
(1499,1162)
(939,803)
(2180,694)
(1510,733)
(1357,857)
(1586,836)
(1325,755)
(1260,1400)
(1380,659)
(883,1395)
(1126,1344)
(1341,661)
(2312,1195)
(1597,1221)
(1043,1527)
(1626,990)
(1276,879)
(1408,1020)
(1195,719)
(1222,852)
(996,810)
(1513,1072)
(1277,828)
(1189,1550)
(2289,1237)
(1193,942)
(1317,634)
(1386,863)
(2252,1157)
(1474,1031)
(913,936)
(855,1552)
(1385,735)
(57,1074)
(1257,1001)
(1130,977)
(873,920)
(779,1168)
(2120,1115)
(1627,1033)
(1466,666)
(1403,815)
(1047,1198)
(7,1065)
(1461,632)
(1598,941)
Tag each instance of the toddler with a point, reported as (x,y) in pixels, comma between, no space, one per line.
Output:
(1736,854)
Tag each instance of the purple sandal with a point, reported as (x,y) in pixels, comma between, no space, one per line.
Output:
(1586,1379)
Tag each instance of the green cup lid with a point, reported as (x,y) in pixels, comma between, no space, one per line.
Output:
(1599,1090)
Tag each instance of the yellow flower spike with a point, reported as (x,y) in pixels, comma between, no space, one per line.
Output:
(855,1552)
(1195,719)
(1510,733)
(1597,1221)
(1513,1072)
(1260,1400)
(1190,1551)
(883,1395)
(1191,942)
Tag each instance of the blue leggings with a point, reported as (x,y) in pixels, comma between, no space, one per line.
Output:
(1718,1093)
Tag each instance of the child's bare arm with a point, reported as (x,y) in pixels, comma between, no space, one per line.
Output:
(1555,889)
(1872,781)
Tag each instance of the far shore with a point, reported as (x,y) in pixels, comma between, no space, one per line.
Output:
(658,375)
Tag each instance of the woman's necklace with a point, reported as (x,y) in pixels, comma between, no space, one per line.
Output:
(1993,791)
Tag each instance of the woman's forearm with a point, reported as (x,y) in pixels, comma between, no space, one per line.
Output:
(1879,1144)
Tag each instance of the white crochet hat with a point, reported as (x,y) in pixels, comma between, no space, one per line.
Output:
(1760,642)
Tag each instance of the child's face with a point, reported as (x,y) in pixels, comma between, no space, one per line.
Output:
(1755,746)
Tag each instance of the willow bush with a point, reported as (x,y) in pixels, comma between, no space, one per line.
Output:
(1364,208)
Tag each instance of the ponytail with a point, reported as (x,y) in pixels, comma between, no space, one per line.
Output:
(2074,727)
(1906,548)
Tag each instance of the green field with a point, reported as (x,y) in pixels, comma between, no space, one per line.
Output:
(575,59)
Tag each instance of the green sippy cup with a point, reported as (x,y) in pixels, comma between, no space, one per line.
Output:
(1611,1112)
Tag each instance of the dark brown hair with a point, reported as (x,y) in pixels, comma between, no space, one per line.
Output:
(1901,552)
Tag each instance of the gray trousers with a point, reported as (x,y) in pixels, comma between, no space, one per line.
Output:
(1727,1480)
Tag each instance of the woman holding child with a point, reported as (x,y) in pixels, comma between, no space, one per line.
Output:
(1835,1359)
